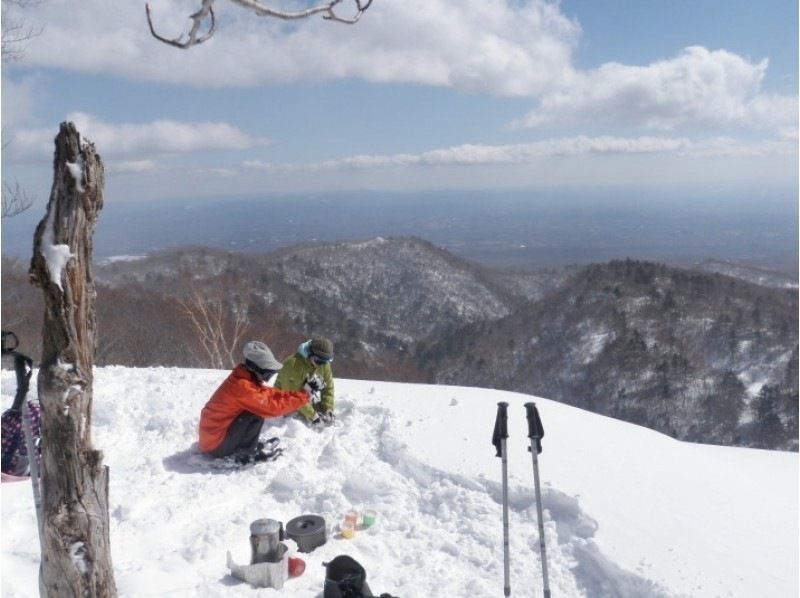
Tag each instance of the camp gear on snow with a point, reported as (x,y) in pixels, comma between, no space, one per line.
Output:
(308,531)
(536,433)
(15,455)
(346,578)
(261,356)
(348,530)
(499,441)
(351,517)
(20,440)
(15,460)
(296,566)
(368,518)
(27,416)
(265,538)
(269,560)
(261,575)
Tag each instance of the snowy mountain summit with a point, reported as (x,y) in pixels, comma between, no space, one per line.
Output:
(628,511)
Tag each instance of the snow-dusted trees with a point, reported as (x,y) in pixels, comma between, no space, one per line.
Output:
(73,522)
(218,312)
(204,18)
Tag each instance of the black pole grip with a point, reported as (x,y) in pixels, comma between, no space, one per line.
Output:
(23,367)
(535,428)
(10,342)
(500,427)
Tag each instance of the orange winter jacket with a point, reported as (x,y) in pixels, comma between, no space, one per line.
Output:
(239,393)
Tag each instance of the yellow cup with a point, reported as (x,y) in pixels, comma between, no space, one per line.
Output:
(348,530)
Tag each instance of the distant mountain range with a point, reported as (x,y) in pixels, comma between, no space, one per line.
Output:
(695,354)
(546,227)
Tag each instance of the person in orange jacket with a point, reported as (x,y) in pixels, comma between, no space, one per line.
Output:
(231,420)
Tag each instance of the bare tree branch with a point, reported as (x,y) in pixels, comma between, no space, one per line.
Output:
(326,9)
(219,318)
(14,32)
(192,39)
(15,200)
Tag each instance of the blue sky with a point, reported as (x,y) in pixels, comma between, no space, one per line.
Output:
(434,94)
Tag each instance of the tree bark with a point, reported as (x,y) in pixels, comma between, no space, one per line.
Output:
(74,528)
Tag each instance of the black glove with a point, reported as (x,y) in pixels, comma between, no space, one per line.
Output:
(315,422)
(327,417)
(315,383)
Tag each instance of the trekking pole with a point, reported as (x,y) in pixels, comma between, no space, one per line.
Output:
(499,441)
(23,367)
(536,433)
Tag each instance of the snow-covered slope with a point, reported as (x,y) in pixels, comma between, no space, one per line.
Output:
(628,512)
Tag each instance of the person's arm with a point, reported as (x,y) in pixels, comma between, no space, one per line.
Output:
(327,392)
(272,402)
(307,411)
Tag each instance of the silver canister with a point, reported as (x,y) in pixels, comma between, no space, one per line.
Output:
(265,541)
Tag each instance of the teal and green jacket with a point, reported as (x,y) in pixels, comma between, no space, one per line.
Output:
(296,370)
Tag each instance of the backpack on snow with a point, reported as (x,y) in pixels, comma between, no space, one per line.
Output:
(346,578)
(15,459)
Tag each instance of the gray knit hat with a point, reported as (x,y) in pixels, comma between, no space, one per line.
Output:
(322,348)
(261,355)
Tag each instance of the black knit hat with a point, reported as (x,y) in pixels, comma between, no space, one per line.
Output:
(322,348)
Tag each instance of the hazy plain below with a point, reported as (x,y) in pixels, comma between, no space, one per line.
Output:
(520,228)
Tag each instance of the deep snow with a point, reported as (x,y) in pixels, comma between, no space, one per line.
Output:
(628,511)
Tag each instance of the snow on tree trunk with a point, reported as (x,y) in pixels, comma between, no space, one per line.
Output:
(74,531)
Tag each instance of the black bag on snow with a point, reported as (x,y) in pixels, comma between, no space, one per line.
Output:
(346,578)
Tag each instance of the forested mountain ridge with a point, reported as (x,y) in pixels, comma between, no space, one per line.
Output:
(697,355)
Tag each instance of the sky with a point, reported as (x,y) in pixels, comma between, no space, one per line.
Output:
(433,94)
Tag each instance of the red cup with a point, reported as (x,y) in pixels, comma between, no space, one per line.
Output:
(296,566)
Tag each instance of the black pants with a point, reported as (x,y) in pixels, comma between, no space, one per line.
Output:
(242,434)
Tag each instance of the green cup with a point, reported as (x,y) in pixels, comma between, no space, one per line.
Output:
(368,518)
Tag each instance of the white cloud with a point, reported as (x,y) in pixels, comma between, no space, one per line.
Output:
(518,48)
(135,166)
(512,48)
(123,140)
(478,154)
(19,100)
(697,88)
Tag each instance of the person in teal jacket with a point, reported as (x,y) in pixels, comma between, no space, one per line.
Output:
(310,368)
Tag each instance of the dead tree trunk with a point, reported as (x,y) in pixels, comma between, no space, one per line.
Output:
(76,555)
